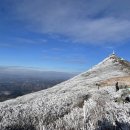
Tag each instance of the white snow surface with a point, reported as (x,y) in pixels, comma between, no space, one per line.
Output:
(74,104)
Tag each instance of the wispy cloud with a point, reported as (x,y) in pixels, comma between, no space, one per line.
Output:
(16,42)
(78,60)
(6,45)
(30,41)
(95,22)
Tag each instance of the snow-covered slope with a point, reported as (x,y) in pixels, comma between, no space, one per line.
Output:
(74,104)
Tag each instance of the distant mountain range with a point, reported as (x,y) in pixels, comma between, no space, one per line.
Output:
(97,99)
(19,72)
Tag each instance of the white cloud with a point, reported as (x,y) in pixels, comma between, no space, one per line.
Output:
(96,22)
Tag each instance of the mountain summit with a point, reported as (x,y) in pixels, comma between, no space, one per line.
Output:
(85,102)
(112,66)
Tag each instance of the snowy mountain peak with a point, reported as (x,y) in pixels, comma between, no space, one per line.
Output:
(112,66)
(111,58)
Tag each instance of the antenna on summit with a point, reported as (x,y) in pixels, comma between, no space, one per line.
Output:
(113,53)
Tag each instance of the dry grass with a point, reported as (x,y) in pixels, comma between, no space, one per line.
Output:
(112,81)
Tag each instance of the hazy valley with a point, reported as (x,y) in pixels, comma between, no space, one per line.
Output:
(16,81)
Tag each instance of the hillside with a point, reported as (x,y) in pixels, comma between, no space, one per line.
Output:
(76,104)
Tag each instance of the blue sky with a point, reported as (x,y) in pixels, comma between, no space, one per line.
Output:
(63,35)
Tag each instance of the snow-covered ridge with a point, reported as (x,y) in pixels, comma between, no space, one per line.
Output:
(70,104)
(112,66)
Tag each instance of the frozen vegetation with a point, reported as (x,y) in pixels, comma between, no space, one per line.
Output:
(77,104)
